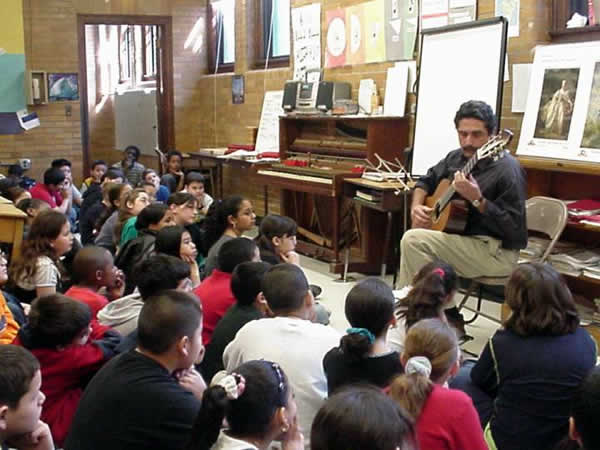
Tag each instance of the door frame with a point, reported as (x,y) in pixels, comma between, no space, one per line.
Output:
(164,87)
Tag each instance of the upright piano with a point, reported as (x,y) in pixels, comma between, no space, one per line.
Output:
(316,154)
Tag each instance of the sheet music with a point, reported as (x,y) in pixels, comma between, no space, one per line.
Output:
(268,129)
(306,33)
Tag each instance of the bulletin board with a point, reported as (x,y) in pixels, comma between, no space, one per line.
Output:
(457,63)
(12,57)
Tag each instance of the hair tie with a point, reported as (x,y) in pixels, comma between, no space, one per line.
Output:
(362,331)
(233,383)
(439,271)
(418,364)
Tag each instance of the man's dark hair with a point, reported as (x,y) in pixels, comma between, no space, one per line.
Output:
(150,215)
(98,162)
(15,170)
(194,177)
(55,320)
(53,176)
(234,252)
(112,173)
(246,281)
(475,109)
(159,272)
(165,318)
(586,408)
(16,372)
(182,198)
(61,162)
(285,287)
(87,261)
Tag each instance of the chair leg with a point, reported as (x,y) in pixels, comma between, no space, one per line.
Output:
(478,309)
(467,295)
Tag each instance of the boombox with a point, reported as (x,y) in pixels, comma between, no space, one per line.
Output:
(312,97)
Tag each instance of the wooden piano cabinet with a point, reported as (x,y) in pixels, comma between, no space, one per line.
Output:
(331,148)
(568,180)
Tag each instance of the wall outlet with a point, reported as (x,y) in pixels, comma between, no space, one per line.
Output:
(25,164)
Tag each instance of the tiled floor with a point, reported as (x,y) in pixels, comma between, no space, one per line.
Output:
(334,295)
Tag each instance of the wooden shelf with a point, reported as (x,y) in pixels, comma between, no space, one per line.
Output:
(559,165)
(578,34)
(583,226)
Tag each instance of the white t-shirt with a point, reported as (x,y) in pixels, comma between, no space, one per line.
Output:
(46,275)
(298,346)
(225,442)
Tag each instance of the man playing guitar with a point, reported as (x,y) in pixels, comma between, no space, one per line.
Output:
(496,191)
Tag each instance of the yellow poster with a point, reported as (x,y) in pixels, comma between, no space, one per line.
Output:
(12,39)
(374,31)
(355,42)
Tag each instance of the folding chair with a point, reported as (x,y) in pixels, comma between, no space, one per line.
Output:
(545,215)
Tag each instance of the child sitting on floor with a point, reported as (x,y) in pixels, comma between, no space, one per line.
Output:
(445,418)
(432,290)
(95,274)
(70,348)
(363,354)
(21,401)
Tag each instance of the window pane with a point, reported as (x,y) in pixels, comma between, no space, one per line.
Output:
(281,28)
(226,20)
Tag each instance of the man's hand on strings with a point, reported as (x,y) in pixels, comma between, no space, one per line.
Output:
(466,187)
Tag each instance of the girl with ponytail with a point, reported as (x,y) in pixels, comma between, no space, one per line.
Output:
(363,354)
(432,290)
(445,418)
(259,406)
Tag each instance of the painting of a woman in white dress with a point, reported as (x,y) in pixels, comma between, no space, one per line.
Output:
(556,104)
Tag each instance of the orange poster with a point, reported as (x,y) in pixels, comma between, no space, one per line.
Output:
(355,42)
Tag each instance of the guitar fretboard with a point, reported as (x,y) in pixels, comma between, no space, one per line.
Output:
(466,170)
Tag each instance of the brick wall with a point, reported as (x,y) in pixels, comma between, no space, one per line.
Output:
(204,113)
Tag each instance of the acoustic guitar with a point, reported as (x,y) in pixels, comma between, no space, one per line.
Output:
(449,214)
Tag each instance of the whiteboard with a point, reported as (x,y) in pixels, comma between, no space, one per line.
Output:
(457,63)
(267,139)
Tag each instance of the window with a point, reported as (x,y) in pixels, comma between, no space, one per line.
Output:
(150,39)
(138,47)
(125,53)
(273,33)
(222,35)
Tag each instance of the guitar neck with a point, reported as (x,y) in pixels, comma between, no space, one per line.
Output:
(466,171)
(470,165)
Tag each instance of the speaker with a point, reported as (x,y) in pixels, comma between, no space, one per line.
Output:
(290,91)
(329,91)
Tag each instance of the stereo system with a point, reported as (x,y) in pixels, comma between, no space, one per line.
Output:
(313,97)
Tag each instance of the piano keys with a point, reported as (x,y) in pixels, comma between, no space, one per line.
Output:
(317,153)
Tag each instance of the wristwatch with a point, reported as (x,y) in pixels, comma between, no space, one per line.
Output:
(477,203)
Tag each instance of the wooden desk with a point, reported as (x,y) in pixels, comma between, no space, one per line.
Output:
(389,204)
(12,221)
(219,162)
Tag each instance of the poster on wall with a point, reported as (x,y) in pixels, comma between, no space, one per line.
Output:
(63,87)
(374,31)
(355,48)
(336,38)
(510,9)
(562,115)
(401,22)
(12,59)
(306,34)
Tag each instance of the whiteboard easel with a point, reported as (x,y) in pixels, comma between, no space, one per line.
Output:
(457,63)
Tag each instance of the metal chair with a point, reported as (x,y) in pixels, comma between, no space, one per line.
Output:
(545,215)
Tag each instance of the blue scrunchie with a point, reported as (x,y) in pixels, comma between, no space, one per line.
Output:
(363,331)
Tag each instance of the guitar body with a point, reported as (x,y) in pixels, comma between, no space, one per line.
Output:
(450,217)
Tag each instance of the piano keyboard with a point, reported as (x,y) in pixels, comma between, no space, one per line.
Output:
(293,176)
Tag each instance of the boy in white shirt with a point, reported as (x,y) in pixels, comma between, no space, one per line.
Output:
(289,339)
